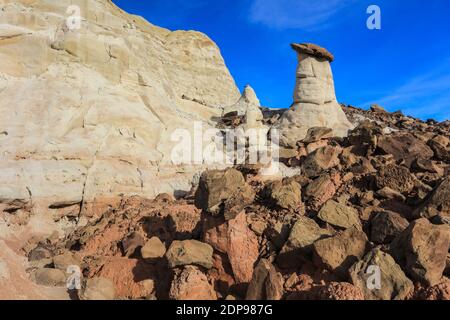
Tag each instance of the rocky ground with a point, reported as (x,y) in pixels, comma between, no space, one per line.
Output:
(379,198)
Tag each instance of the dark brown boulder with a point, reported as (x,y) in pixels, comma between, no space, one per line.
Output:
(405,147)
(219,189)
(386,226)
(421,250)
(395,177)
(438,204)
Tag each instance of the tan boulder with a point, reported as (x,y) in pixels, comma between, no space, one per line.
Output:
(340,252)
(190,252)
(153,249)
(98,289)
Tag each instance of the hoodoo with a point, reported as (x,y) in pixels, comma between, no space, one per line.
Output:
(315,103)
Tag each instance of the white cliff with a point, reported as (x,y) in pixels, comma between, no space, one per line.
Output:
(87,113)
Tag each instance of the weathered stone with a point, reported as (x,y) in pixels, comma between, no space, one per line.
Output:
(50,277)
(298,247)
(315,103)
(318,133)
(191,284)
(320,160)
(242,248)
(98,288)
(427,165)
(184,221)
(440,147)
(321,190)
(235,239)
(131,278)
(339,215)
(422,250)
(341,251)
(386,226)
(438,204)
(286,194)
(70,140)
(256,287)
(65,260)
(132,243)
(246,101)
(390,194)
(394,285)
(377,108)
(395,177)
(439,292)
(274,285)
(216,187)
(153,249)
(182,253)
(313,50)
(340,291)
(404,147)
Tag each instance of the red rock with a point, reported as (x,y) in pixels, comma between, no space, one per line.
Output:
(340,291)
(129,276)
(191,284)
(243,250)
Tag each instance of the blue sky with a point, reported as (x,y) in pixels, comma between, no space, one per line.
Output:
(404,66)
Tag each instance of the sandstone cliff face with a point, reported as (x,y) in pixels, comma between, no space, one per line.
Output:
(87,114)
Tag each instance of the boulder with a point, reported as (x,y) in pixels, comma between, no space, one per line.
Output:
(339,215)
(405,147)
(394,285)
(338,253)
(216,188)
(266,284)
(153,249)
(50,277)
(235,239)
(132,243)
(438,203)
(321,160)
(386,226)
(274,285)
(242,248)
(298,247)
(184,221)
(322,189)
(440,147)
(421,250)
(318,133)
(98,288)
(190,252)
(286,194)
(391,194)
(65,260)
(191,284)
(395,177)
